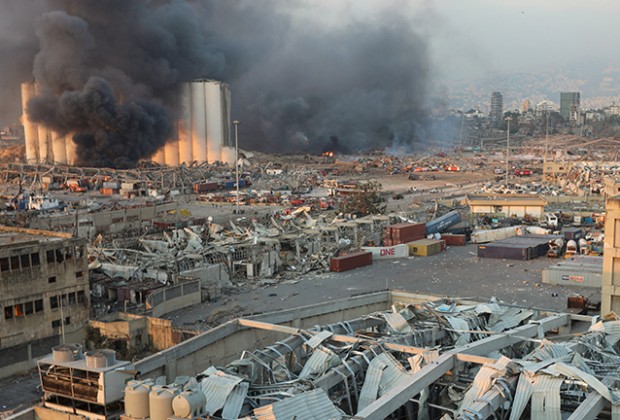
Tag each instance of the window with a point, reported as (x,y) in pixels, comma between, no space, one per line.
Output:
(56,323)
(63,300)
(15,262)
(68,320)
(54,302)
(35,259)
(18,310)
(8,312)
(4,264)
(79,274)
(25,259)
(29,308)
(69,252)
(49,255)
(51,279)
(80,296)
(38,305)
(60,255)
(71,298)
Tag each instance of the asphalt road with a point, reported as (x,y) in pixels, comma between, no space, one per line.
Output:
(457,272)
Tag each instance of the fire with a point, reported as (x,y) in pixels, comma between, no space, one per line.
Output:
(327,154)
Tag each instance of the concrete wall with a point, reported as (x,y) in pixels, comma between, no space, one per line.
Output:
(168,299)
(227,342)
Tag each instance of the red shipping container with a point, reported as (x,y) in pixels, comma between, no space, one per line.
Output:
(444,245)
(350,261)
(454,240)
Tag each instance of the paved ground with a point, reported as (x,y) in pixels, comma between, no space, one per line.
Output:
(456,272)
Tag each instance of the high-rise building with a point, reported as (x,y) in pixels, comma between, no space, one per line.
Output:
(569,106)
(497,110)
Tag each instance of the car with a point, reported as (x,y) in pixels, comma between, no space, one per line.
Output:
(499,171)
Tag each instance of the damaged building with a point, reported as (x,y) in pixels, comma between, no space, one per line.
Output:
(383,355)
(44,294)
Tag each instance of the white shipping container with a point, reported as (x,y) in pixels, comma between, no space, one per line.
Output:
(490,235)
(388,252)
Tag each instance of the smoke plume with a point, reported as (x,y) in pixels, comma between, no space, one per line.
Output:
(109,73)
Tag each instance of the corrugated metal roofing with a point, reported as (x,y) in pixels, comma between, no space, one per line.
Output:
(462,327)
(311,405)
(522,396)
(217,387)
(511,319)
(546,398)
(397,322)
(370,389)
(235,400)
(318,338)
(485,378)
(321,360)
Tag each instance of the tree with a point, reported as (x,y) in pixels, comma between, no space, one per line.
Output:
(366,199)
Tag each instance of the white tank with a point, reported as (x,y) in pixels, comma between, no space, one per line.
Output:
(582,243)
(194,147)
(189,404)
(160,401)
(571,245)
(67,353)
(59,148)
(100,358)
(137,398)
(31,132)
(171,152)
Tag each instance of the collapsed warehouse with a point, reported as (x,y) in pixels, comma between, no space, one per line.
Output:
(384,355)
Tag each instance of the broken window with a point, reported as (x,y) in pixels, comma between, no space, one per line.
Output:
(72,299)
(60,255)
(4,264)
(51,279)
(49,255)
(29,308)
(68,320)
(25,260)
(35,259)
(18,310)
(56,323)
(69,253)
(80,296)
(79,274)
(8,312)
(63,300)
(15,263)
(38,305)
(54,302)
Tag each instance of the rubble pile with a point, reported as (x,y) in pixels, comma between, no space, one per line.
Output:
(440,358)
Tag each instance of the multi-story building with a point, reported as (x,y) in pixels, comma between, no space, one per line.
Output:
(570,106)
(44,294)
(496,115)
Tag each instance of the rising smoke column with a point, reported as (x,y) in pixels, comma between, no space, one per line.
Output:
(110,71)
(364,81)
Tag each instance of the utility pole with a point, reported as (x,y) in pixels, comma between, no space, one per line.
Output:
(508,119)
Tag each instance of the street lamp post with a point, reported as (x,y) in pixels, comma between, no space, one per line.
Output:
(236,124)
(508,119)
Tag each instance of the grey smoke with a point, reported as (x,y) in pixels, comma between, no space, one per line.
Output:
(111,70)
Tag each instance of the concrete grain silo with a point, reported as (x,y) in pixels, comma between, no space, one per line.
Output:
(59,148)
(31,132)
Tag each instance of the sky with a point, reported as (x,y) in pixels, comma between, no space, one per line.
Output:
(466,39)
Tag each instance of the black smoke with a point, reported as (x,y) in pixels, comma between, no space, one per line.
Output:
(110,72)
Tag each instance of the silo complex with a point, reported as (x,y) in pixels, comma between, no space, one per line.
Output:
(202,130)
(42,144)
(31,131)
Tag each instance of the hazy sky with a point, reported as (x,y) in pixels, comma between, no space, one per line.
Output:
(469,38)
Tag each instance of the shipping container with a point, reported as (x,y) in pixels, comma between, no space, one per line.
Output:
(490,235)
(205,187)
(404,232)
(442,223)
(525,247)
(425,247)
(573,233)
(581,271)
(454,239)
(387,252)
(350,261)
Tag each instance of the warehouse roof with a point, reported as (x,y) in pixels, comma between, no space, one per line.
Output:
(505,200)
